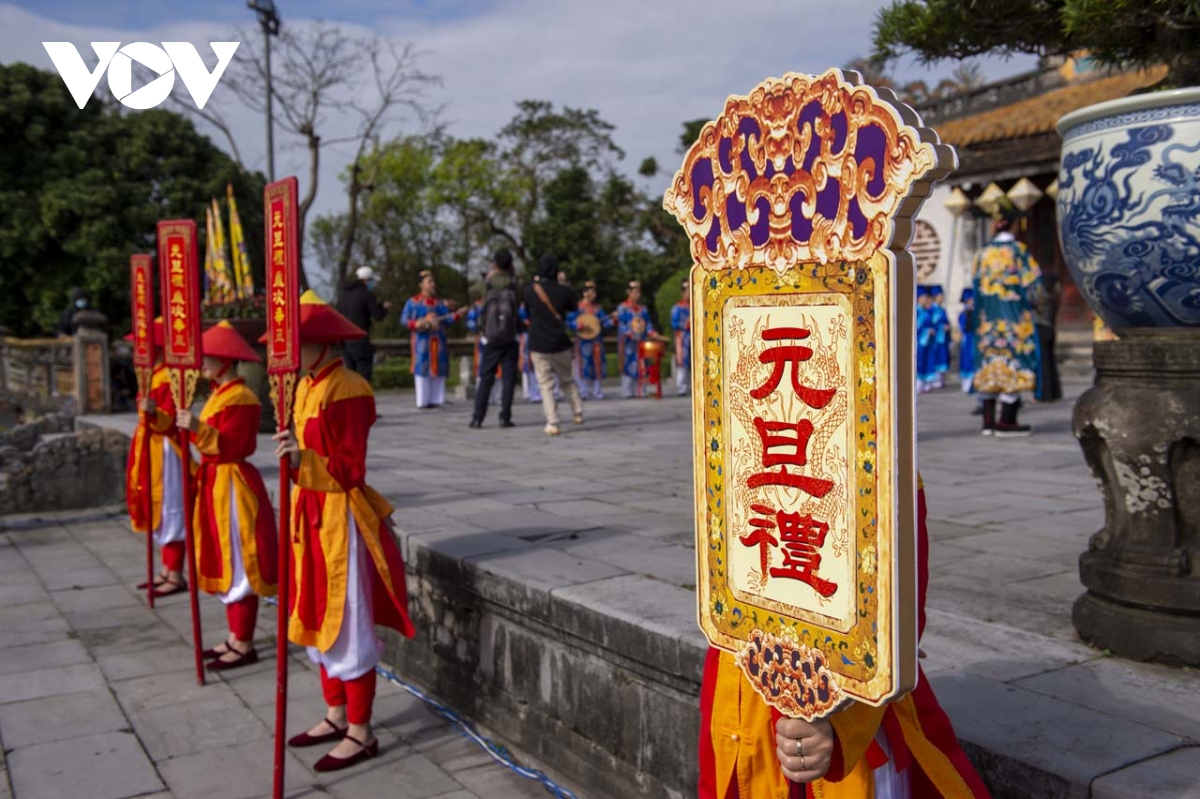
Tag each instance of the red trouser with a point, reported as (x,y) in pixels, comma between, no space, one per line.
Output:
(242,616)
(357,695)
(172,556)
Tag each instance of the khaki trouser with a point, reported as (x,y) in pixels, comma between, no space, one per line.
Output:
(546,365)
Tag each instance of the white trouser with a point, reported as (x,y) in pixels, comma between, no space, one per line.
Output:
(430,390)
(591,389)
(239,587)
(628,386)
(683,376)
(357,648)
(171,527)
(890,784)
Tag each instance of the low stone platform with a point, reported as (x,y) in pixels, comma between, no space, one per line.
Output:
(552,581)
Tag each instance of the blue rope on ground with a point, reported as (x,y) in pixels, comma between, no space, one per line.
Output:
(498,753)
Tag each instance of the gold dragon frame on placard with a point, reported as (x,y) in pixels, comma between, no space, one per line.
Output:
(781,208)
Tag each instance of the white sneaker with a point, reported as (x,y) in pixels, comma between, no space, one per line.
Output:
(552,430)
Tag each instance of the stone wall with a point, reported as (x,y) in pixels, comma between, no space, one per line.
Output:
(45,466)
(606,698)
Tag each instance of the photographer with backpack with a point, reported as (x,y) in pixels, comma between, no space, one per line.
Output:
(498,326)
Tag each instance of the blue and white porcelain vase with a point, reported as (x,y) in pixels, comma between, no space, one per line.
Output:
(1129,208)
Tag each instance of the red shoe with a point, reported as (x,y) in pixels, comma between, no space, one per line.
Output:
(304,739)
(170,587)
(243,659)
(331,763)
(158,580)
(209,654)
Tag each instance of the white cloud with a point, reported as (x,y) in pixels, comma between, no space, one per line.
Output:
(645,65)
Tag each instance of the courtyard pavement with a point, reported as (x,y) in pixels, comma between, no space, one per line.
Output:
(1008,520)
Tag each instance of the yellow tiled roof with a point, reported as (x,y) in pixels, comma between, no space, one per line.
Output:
(1036,115)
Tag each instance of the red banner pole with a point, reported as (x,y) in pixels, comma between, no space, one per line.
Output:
(283,363)
(185,444)
(180,284)
(281,651)
(142,306)
(145,474)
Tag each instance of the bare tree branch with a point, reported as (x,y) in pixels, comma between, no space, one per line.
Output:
(316,76)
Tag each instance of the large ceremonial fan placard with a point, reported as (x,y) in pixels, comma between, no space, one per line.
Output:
(798,201)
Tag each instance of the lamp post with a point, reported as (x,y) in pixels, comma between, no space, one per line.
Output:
(268,20)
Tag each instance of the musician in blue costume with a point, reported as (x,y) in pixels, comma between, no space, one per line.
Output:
(941,336)
(926,335)
(590,366)
(681,323)
(427,317)
(633,327)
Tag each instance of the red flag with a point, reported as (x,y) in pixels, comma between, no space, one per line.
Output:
(141,296)
(283,277)
(179,276)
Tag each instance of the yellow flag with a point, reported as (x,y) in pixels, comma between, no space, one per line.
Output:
(243,280)
(210,277)
(220,261)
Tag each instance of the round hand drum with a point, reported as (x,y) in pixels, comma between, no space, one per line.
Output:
(588,326)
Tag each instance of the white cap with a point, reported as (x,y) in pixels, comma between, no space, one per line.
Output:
(365,273)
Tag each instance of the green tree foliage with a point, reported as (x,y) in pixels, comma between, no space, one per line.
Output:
(82,189)
(545,185)
(1116,33)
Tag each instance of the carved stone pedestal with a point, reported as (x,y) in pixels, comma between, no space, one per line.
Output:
(1139,428)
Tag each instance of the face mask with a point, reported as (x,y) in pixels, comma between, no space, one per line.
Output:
(80,303)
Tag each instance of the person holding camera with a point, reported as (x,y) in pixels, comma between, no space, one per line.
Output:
(548,302)
(358,304)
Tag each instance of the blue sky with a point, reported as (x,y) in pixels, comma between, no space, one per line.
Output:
(136,14)
(645,65)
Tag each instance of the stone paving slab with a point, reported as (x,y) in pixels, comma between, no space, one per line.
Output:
(110,765)
(57,718)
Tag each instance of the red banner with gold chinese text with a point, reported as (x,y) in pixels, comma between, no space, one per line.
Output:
(141,297)
(179,278)
(283,276)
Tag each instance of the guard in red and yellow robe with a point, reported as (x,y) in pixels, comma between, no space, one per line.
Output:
(906,748)
(236,549)
(348,575)
(161,475)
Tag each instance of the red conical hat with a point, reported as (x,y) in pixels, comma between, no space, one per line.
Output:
(321,324)
(222,341)
(160,338)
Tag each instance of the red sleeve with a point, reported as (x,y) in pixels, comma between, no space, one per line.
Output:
(165,422)
(345,425)
(234,435)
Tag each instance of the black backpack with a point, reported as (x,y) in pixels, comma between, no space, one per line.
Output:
(500,316)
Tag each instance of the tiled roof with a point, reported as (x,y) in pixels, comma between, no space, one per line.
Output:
(1036,115)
